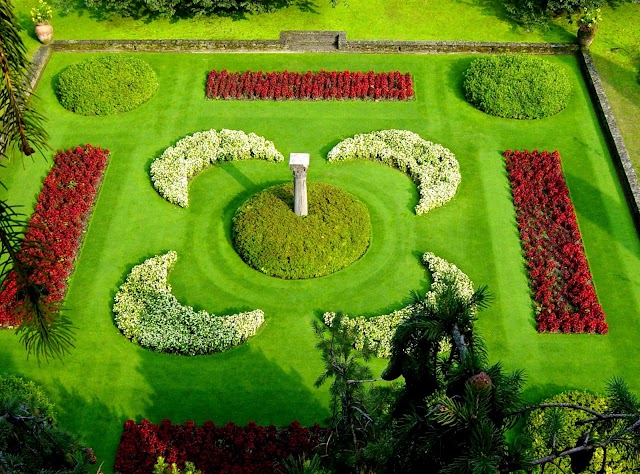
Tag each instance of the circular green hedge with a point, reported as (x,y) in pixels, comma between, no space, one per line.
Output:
(515,86)
(271,238)
(106,85)
(537,428)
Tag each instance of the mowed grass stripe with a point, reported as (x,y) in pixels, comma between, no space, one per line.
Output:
(270,379)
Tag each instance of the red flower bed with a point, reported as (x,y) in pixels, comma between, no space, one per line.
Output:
(213,449)
(558,268)
(323,85)
(58,221)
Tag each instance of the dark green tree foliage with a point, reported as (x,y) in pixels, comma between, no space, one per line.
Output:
(538,13)
(453,412)
(30,442)
(44,331)
(177,8)
(352,423)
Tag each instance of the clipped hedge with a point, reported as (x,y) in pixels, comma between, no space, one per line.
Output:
(517,86)
(147,313)
(537,429)
(432,167)
(376,332)
(171,172)
(271,238)
(106,85)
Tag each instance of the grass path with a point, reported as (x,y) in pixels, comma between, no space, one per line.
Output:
(107,379)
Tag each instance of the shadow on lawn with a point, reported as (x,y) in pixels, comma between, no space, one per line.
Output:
(78,414)
(239,385)
(603,211)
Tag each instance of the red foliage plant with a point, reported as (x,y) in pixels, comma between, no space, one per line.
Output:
(58,224)
(322,85)
(558,270)
(213,449)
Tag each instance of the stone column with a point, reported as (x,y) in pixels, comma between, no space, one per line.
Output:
(299,164)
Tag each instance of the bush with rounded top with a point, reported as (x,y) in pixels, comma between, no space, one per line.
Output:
(106,85)
(537,428)
(28,393)
(517,86)
(271,238)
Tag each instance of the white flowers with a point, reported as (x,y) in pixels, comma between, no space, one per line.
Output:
(432,167)
(170,173)
(147,313)
(376,332)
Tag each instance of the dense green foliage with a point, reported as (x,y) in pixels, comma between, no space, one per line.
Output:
(517,86)
(532,13)
(29,440)
(106,85)
(475,231)
(177,8)
(271,238)
(555,429)
(29,393)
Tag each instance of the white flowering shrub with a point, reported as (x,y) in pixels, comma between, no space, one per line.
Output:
(147,313)
(171,172)
(432,167)
(376,332)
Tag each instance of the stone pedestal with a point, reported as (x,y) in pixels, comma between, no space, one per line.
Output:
(299,164)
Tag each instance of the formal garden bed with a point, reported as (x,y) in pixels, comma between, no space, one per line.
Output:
(269,378)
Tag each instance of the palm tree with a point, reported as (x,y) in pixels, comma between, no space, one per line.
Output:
(44,331)
(452,414)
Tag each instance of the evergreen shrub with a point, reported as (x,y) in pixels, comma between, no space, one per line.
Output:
(539,422)
(106,85)
(271,238)
(517,86)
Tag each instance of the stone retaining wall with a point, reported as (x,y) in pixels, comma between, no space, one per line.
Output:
(310,41)
(336,42)
(619,152)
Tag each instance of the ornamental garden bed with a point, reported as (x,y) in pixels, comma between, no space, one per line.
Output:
(269,378)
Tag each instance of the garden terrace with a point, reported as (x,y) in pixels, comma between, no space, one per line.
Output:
(269,378)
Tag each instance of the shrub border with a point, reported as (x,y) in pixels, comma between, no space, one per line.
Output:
(336,41)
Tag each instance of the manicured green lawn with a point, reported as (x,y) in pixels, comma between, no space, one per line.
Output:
(108,379)
(616,49)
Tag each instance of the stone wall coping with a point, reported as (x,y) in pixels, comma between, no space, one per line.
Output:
(301,41)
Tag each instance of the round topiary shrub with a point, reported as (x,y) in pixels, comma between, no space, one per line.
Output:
(538,430)
(271,238)
(515,86)
(106,85)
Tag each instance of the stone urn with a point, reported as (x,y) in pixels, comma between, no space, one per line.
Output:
(586,35)
(44,32)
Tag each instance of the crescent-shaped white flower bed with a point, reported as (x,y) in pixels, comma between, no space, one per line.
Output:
(147,313)
(377,331)
(432,167)
(171,172)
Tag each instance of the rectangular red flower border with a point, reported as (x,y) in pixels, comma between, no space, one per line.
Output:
(322,85)
(558,270)
(58,223)
(213,449)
